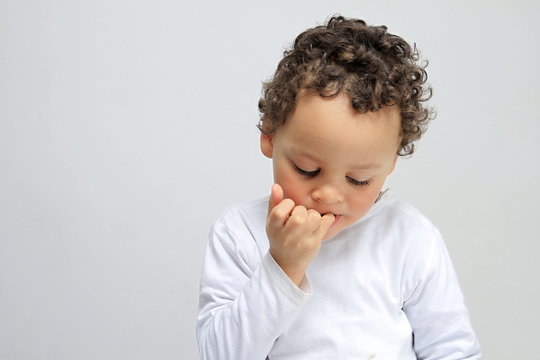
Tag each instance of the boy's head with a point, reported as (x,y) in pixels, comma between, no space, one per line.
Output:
(371,66)
(344,102)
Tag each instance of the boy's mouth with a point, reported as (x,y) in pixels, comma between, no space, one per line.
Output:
(336,217)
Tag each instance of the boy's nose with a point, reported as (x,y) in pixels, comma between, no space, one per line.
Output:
(327,194)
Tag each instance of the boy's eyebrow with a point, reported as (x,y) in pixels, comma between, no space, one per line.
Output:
(368,166)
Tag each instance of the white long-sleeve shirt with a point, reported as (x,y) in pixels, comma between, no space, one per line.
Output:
(383,288)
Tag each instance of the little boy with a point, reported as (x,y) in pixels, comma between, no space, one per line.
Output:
(329,266)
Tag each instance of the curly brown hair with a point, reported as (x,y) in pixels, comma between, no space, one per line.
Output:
(374,67)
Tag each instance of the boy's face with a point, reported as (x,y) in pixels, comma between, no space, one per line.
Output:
(330,158)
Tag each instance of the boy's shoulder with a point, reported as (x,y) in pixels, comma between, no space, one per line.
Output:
(397,227)
(243,225)
(246,216)
(395,214)
(245,210)
(405,211)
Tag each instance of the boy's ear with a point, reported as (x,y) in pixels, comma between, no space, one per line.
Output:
(267,145)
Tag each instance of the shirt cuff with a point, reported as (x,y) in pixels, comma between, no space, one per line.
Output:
(282,281)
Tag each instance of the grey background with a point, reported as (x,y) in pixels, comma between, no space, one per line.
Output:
(127,126)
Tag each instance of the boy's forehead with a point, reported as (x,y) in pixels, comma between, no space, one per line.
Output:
(333,125)
(336,112)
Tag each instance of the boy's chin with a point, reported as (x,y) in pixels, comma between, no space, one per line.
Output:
(330,234)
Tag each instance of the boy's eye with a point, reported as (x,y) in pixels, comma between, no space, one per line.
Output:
(314,173)
(307,173)
(358,182)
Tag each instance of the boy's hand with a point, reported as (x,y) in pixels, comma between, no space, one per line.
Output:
(294,233)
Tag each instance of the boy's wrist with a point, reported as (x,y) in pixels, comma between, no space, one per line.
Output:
(296,277)
(295,273)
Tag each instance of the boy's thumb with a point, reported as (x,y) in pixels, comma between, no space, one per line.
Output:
(276,195)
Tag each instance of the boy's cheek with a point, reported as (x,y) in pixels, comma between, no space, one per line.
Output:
(292,192)
(292,188)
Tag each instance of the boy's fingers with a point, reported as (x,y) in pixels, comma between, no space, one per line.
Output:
(314,216)
(326,221)
(279,214)
(299,211)
(276,196)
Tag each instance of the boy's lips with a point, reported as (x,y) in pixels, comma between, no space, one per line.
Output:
(337,217)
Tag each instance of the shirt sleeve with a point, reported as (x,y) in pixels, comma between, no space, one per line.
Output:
(435,306)
(245,303)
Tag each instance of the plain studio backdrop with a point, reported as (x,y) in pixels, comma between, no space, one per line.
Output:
(126,127)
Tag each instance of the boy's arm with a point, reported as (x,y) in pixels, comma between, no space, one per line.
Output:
(435,307)
(244,306)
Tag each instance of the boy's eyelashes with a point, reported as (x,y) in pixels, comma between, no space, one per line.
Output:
(313,173)
(307,173)
(358,182)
